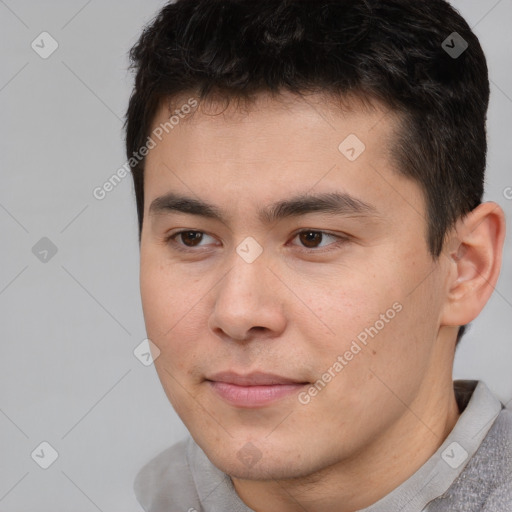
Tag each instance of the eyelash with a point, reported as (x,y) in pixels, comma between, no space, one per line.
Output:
(341,240)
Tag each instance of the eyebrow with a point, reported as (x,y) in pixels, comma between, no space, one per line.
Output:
(336,203)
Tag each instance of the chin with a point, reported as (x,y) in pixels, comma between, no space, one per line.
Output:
(262,470)
(250,460)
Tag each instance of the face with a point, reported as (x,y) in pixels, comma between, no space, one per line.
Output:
(287,283)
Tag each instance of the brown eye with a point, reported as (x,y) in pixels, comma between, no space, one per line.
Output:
(310,238)
(318,241)
(191,238)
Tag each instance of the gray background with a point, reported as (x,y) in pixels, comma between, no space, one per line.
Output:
(69,325)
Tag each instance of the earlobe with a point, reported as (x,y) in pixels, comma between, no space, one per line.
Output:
(475,253)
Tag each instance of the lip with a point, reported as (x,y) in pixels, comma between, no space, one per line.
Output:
(253,379)
(253,390)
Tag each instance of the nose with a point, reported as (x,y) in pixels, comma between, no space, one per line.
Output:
(248,303)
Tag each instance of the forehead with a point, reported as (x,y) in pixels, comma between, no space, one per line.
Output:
(277,129)
(260,151)
(270,107)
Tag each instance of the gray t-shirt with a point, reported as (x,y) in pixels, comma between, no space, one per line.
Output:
(470,472)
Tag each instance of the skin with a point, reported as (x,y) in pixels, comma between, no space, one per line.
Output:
(293,312)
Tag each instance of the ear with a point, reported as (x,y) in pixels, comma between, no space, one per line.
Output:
(474,250)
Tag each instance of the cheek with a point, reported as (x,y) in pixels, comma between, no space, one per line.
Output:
(174,315)
(371,319)
(157,301)
(164,298)
(350,303)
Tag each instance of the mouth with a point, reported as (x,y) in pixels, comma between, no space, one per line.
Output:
(253,390)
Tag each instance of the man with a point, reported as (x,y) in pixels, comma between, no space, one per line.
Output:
(308,177)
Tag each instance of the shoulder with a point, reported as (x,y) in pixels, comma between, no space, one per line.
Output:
(503,423)
(485,483)
(489,473)
(500,437)
(497,446)
(500,499)
(167,481)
